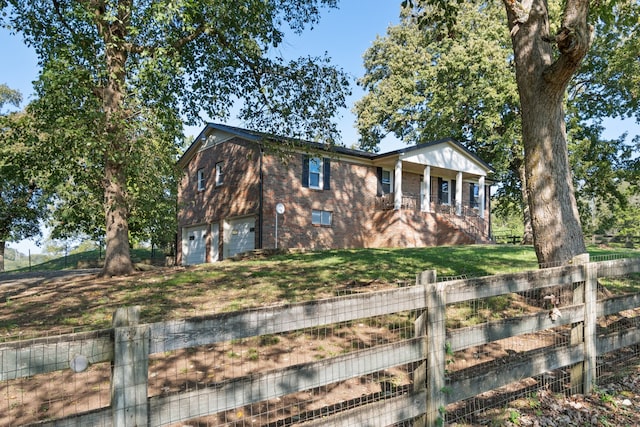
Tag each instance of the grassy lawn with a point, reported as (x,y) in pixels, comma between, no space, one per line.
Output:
(87,302)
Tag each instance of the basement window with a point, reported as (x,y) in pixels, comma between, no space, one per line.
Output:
(323,218)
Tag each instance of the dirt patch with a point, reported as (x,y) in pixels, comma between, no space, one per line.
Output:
(20,284)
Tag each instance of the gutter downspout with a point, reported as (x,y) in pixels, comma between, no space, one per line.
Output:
(260,200)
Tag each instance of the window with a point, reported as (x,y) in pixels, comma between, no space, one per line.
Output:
(316,172)
(200,178)
(474,199)
(444,192)
(319,217)
(386,182)
(219,174)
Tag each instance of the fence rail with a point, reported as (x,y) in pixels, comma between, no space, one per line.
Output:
(128,345)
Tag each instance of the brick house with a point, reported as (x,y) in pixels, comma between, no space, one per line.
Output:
(235,196)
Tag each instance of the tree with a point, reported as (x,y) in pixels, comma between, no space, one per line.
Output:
(544,66)
(21,201)
(422,86)
(9,96)
(622,221)
(118,77)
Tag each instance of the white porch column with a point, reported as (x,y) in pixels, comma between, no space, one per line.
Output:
(481,206)
(426,190)
(459,193)
(397,186)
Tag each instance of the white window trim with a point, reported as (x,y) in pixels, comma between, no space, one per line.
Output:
(391,173)
(320,177)
(326,218)
(476,195)
(219,174)
(448,199)
(201,180)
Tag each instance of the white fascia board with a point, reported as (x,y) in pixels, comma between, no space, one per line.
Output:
(446,156)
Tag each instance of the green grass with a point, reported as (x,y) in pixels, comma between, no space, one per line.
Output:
(87,303)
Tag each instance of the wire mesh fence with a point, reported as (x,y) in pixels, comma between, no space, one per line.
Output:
(37,384)
(333,362)
(505,354)
(484,408)
(248,359)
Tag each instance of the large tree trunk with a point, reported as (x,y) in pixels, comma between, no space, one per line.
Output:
(117,258)
(542,82)
(117,261)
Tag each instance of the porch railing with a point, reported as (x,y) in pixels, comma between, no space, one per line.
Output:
(468,220)
(386,202)
(412,202)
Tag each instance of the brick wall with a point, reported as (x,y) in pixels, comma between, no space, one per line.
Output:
(351,200)
(406,228)
(237,196)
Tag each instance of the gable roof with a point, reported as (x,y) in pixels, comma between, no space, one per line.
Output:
(416,150)
(258,137)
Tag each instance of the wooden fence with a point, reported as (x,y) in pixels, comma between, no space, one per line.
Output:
(129,344)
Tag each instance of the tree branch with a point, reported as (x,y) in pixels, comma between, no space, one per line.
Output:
(573,39)
(521,10)
(63,20)
(254,68)
(178,44)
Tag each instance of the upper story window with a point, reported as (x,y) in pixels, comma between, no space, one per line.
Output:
(219,173)
(385,181)
(316,172)
(200,179)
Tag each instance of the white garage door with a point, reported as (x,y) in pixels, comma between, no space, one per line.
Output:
(239,236)
(194,245)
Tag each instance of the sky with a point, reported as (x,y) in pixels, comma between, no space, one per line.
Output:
(344,33)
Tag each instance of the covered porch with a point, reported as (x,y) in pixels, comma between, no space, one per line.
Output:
(440,175)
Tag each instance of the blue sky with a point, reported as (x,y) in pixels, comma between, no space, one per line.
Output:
(344,33)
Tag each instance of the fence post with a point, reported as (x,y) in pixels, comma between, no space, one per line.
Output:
(130,369)
(590,319)
(436,348)
(420,373)
(578,329)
